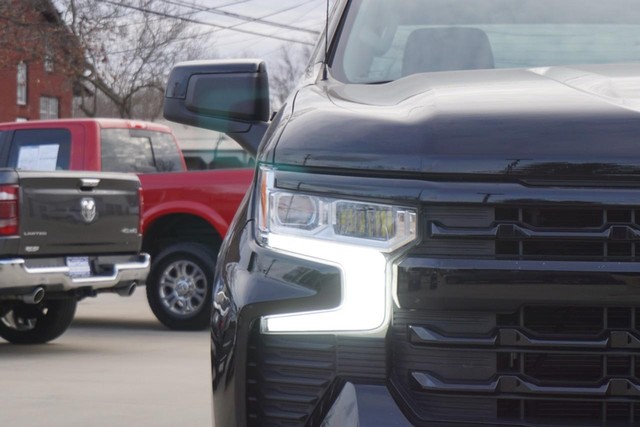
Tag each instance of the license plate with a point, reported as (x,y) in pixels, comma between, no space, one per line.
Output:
(79,266)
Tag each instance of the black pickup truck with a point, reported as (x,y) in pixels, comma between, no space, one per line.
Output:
(444,228)
(64,236)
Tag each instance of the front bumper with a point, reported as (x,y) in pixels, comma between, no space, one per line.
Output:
(361,405)
(493,320)
(53,275)
(482,330)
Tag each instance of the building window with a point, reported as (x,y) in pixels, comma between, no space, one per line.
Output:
(49,108)
(48,59)
(22,84)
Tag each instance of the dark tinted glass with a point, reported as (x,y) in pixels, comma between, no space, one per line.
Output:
(41,149)
(140,151)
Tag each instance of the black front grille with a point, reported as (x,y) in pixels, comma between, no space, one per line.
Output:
(563,368)
(546,366)
(533,233)
(292,380)
(616,413)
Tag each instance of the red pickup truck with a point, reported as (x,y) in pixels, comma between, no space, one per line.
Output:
(185,214)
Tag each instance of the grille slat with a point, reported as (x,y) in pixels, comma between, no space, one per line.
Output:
(548,351)
(533,233)
(594,384)
(512,385)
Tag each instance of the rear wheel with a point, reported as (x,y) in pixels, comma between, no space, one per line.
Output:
(37,323)
(179,286)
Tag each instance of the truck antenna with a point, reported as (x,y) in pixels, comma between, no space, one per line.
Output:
(325,62)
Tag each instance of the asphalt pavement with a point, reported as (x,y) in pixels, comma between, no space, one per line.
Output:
(116,366)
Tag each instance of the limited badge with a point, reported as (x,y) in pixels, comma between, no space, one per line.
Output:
(88,209)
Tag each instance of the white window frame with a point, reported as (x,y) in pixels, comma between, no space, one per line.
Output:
(21,84)
(49,108)
(48,59)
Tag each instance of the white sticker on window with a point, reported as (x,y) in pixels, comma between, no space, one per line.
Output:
(38,157)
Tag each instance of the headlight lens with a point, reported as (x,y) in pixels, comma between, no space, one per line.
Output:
(351,235)
(385,227)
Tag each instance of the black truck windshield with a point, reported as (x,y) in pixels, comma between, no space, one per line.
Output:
(384,40)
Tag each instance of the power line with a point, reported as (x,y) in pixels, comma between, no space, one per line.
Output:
(216,10)
(268,16)
(207,33)
(279,31)
(195,21)
(233,3)
(218,43)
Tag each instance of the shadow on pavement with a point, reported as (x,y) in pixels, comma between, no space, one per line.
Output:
(111,323)
(50,349)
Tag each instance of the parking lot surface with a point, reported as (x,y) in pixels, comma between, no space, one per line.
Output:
(116,366)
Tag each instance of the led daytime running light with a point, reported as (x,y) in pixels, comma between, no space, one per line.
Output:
(350,235)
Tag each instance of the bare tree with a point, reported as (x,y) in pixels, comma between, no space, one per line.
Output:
(33,31)
(129,47)
(119,51)
(286,70)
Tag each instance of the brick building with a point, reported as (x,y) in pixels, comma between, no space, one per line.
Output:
(36,72)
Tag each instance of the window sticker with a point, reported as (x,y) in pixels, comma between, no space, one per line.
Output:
(38,157)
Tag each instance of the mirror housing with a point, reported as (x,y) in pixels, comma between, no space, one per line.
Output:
(226,96)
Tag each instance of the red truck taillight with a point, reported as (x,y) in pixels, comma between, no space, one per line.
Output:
(9,210)
(140,221)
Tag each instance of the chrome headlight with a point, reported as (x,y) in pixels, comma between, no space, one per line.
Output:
(351,235)
(281,212)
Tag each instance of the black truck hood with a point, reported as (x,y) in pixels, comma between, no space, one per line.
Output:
(579,122)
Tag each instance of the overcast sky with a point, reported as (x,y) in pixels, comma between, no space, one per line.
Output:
(306,15)
(259,28)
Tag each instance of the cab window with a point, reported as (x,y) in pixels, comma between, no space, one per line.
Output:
(139,151)
(40,149)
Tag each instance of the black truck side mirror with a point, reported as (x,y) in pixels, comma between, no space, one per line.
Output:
(225,96)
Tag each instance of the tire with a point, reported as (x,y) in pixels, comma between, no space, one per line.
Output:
(37,324)
(179,286)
